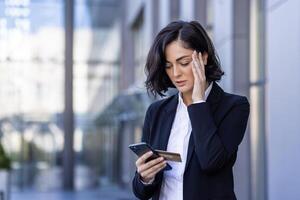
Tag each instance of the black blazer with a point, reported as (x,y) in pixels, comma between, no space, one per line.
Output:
(218,127)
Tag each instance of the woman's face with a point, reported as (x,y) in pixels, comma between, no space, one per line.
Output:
(179,66)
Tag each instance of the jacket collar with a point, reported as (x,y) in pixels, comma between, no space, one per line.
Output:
(215,96)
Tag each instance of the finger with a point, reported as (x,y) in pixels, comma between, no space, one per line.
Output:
(150,173)
(143,158)
(200,66)
(150,164)
(201,62)
(197,58)
(195,72)
(157,170)
(196,64)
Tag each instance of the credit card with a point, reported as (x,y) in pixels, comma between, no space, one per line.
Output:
(169,155)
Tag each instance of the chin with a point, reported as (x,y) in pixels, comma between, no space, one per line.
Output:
(184,89)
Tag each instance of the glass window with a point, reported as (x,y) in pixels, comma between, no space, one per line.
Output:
(96,71)
(138,34)
(31,90)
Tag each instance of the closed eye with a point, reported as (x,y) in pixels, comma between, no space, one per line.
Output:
(185,63)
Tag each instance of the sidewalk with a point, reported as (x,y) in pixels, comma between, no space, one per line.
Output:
(109,193)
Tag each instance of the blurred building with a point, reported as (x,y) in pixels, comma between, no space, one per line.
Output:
(32,45)
(31,89)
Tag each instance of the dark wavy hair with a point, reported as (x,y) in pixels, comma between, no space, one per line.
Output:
(193,36)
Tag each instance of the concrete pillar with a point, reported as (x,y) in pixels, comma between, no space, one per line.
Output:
(68,153)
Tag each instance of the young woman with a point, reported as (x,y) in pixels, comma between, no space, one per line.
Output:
(202,122)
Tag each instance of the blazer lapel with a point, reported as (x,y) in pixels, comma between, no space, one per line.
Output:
(215,96)
(213,99)
(168,115)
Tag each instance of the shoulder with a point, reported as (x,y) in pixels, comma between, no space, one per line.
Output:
(226,99)
(160,104)
(231,104)
(234,99)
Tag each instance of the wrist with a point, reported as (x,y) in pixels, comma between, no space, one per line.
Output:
(197,99)
(147,182)
(200,101)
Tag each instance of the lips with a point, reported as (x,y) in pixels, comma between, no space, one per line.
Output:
(180,83)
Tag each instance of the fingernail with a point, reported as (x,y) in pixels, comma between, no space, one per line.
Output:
(150,153)
(162,158)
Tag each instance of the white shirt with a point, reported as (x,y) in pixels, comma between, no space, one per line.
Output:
(172,183)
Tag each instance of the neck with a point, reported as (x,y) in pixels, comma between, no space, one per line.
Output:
(187,97)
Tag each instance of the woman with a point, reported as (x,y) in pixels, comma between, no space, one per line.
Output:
(202,122)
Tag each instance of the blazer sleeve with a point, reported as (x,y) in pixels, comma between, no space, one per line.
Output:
(215,146)
(141,190)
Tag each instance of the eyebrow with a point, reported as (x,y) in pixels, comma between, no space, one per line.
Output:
(180,58)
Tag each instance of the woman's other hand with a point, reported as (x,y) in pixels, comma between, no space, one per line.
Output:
(198,68)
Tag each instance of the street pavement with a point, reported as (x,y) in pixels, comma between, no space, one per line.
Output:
(107,193)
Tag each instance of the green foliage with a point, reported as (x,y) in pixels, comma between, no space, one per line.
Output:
(4,160)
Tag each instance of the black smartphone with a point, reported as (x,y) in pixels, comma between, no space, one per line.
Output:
(141,148)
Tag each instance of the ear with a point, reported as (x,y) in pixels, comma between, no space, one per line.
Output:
(204,58)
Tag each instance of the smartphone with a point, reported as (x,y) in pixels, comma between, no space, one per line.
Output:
(141,148)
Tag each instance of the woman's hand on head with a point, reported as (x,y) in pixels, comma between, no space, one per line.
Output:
(198,67)
(148,170)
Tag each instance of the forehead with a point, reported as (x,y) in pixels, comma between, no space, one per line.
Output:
(176,50)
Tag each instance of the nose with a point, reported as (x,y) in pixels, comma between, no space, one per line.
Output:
(176,71)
